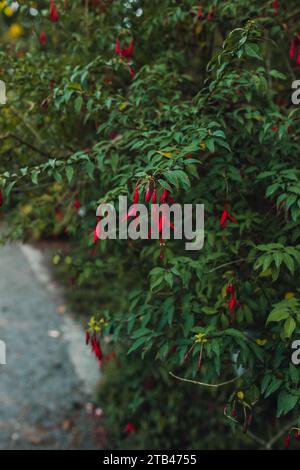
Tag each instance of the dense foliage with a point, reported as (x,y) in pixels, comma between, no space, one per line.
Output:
(200,107)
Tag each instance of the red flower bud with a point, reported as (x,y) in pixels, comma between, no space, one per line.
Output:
(76,204)
(275,6)
(95,236)
(200,12)
(136,195)
(148,193)
(53,12)
(287,441)
(43,38)
(96,348)
(129,428)
(230,289)
(233,412)
(154,196)
(164,195)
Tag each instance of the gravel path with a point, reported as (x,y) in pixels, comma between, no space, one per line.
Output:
(49,377)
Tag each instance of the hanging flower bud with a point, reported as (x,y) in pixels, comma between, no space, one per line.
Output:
(275,6)
(131,71)
(200,12)
(164,195)
(154,196)
(129,428)
(43,38)
(233,412)
(287,441)
(148,192)
(127,52)
(230,289)
(124,51)
(77,204)
(225,215)
(53,12)
(96,348)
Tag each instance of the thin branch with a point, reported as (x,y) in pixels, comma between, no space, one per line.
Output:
(205,384)
(31,146)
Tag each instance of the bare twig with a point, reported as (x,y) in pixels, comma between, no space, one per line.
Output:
(203,384)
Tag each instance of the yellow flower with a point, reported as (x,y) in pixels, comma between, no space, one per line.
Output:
(68,260)
(56,259)
(8,11)
(240,395)
(96,325)
(3,5)
(15,31)
(289,295)
(199,338)
(261,342)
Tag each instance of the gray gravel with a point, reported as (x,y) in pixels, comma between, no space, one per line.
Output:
(44,397)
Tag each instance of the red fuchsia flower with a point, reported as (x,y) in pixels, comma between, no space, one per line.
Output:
(233,412)
(232,304)
(225,215)
(200,12)
(230,289)
(136,194)
(164,195)
(163,221)
(124,51)
(77,204)
(148,192)
(295,49)
(53,12)
(287,441)
(96,348)
(97,231)
(154,200)
(43,38)
(87,337)
(129,428)
(131,71)
(133,210)
(95,236)
(275,6)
